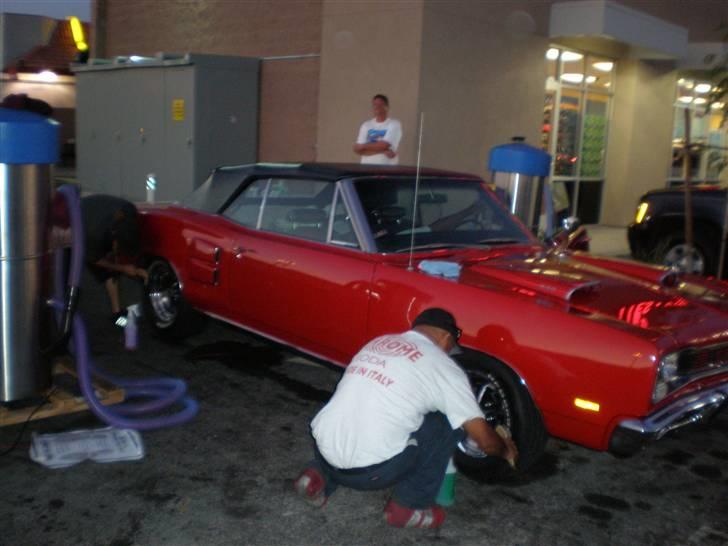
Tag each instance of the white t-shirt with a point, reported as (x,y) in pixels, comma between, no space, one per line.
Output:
(389,130)
(383,397)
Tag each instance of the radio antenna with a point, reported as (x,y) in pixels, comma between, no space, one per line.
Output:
(417,191)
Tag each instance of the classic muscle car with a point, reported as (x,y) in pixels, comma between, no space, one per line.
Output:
(658,232)
(601,352)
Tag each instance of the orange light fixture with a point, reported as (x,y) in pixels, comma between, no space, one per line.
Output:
(78,34)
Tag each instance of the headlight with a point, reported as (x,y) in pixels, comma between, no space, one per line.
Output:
(641,212)
(667,378)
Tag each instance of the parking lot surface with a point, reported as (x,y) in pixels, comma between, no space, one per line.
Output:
(225,477)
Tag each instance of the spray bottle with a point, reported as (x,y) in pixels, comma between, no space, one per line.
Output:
(131,330)
(446,495)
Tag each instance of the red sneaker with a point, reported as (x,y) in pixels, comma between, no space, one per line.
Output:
(310,485)
(424,518)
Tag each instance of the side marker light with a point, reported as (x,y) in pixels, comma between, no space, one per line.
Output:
(586,404)
(641,213)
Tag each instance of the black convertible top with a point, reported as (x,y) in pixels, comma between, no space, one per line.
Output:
(335,171)
(222,184)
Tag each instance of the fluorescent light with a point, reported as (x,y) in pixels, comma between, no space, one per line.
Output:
(685,99)
(591,79)
(48,76)
(572,77)
(604,66)
(569,56)
(717,105)
(702,88)
(699,100)
(552,54)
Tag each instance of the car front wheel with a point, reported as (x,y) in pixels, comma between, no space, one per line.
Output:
(674,253)
(170,314)
(504,401)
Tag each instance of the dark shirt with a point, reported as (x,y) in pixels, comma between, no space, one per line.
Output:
(98,218)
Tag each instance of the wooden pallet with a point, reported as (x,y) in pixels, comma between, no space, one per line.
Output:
(65,397)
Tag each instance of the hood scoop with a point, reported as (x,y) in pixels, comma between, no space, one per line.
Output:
(556,283)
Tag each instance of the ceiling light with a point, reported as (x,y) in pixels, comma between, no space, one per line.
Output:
(552,54)
(568,56)
(604,66)
(48,76)
(717,105)
(689,84)
(685,99)
(607,84)
(702,88)
(572,77)
(591,79)
(700,100)
(681,81)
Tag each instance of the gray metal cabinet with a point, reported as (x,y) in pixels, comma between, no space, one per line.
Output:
(176,118)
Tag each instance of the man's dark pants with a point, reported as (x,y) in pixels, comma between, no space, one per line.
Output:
(416,473)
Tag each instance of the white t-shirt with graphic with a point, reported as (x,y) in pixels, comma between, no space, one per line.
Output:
(383,397)
(389,130)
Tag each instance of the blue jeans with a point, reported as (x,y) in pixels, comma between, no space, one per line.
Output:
(416,473)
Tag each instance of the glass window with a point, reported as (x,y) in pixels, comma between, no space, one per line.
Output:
(575,127)
(342,230)
(708,134)
(448,214)
(246,208)
(300,208)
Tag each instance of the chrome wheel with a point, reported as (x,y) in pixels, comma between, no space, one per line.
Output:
(164,294)
(491,396)
(677,256)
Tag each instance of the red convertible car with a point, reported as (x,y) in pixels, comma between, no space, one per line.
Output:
(605,353)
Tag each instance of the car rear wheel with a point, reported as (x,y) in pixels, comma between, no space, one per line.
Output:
(504,401)
(171,316)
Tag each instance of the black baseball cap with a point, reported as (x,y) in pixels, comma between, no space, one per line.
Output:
(439,318)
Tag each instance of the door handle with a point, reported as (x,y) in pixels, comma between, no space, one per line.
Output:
(238,252)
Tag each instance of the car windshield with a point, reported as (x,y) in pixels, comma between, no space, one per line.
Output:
(449,214)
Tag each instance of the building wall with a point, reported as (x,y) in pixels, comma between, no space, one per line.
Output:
(368,47)
(482,79)
(274,28)
(640,137)
(21,33)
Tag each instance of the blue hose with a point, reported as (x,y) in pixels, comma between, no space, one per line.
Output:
(148,395)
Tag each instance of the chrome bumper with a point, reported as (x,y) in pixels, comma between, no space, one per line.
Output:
(631,434)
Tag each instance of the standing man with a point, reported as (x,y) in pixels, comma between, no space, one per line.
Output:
(113,244)
(379,137)
(395,419)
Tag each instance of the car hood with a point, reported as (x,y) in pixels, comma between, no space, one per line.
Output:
(653,300)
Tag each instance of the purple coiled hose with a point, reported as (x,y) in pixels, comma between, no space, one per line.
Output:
(149,395)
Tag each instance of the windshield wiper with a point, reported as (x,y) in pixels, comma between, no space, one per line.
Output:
(435,246)
(496,241)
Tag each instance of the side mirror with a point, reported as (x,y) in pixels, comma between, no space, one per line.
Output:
(570,224)
(573,236)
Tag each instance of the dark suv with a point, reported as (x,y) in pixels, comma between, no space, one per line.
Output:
(658,232)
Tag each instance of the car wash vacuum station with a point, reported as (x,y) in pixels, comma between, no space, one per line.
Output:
(37,305)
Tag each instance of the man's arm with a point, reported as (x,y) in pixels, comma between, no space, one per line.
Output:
(130,270)
(489,441)
(371,148)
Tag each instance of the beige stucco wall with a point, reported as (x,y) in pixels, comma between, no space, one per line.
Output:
(482,79)
(639,150)
(368,47)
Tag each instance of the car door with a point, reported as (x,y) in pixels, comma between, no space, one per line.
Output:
(297,272)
